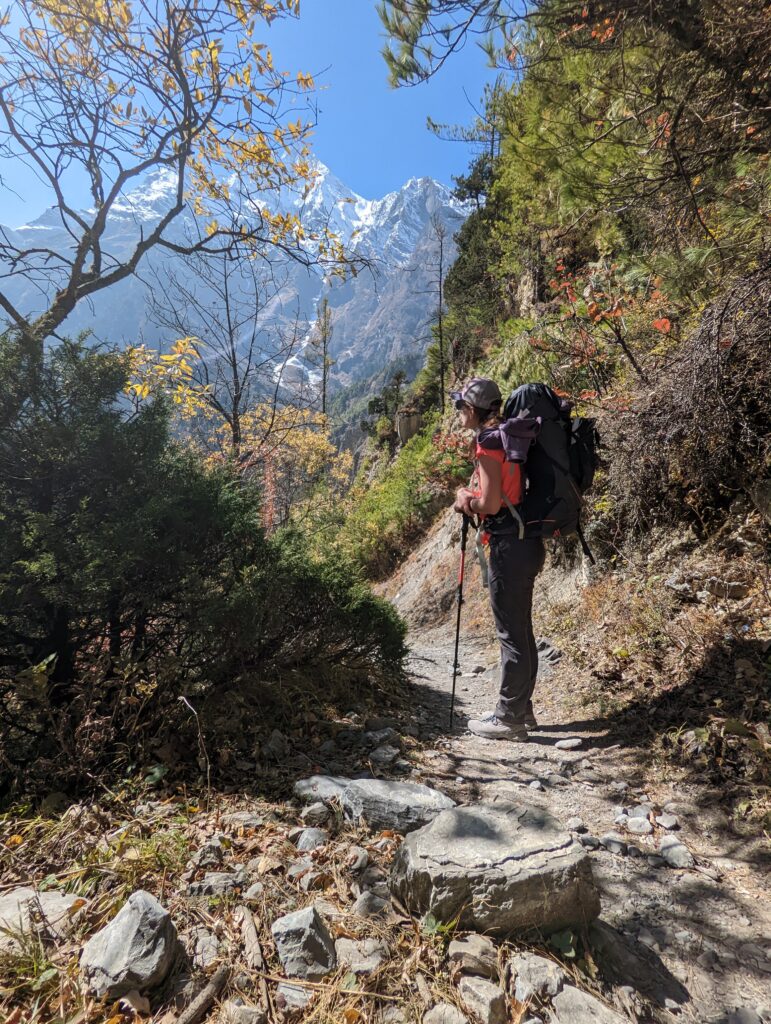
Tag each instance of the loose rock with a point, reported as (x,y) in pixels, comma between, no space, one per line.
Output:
(134,951)
(675,854)
(20,908)
(613,842)
(535,976)
(234,1011)
(384,756)
(502,868)
(444,1013)
(668,821)
(575,825)
(320,788)
(381,737)
(293,997)
(475,954)
(401,806)
(590,842)
(218,883)
(311,839)
(572,1006)
(370,905)
(573,743)
(639,826)
(361,957)
(204,948)
(315,814)
(243,820)
(484,1000)
(304,945)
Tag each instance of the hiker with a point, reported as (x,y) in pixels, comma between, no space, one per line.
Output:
(497,488)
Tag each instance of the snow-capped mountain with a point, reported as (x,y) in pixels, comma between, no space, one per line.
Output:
(381,315)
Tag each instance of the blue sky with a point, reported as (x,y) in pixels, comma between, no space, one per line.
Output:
(371,136)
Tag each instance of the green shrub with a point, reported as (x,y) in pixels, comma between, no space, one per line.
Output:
(130,573)
(384,518)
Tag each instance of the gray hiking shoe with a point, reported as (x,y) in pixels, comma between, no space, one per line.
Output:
(530,720)
(492,728)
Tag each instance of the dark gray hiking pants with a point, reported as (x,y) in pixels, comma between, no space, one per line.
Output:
(514,565)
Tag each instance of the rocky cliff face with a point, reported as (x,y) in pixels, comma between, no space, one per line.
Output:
(379,316)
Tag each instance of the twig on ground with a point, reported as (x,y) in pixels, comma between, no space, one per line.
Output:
(201,1005)
(298,983)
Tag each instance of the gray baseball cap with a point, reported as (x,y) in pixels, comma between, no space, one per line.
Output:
(481,392)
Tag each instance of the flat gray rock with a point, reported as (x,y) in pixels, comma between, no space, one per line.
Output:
(668,821)
(639,826)
(320,787)
(500,868)
(573,1006)
(293,997)
(572,743)
(613,843)
(243,819)
(361,956)
(20,907)
(484,1000)
(401,806)
(305,947)
(475,954)
(134,951)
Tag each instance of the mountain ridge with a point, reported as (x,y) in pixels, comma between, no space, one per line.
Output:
(379,316)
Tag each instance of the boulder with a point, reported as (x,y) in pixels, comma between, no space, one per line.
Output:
(21,908)
(475,954)
(134,951)
(484,1000)
(320,788)
(535,977)
(573,1006)
(401,806)
(500,868)
(304,945)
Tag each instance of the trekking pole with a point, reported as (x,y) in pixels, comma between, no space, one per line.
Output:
(455,666)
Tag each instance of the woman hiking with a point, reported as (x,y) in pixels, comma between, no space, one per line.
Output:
(497,488)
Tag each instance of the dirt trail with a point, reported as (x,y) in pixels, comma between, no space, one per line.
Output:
(708,927)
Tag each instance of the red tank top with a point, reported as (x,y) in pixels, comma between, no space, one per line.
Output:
(512,484)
